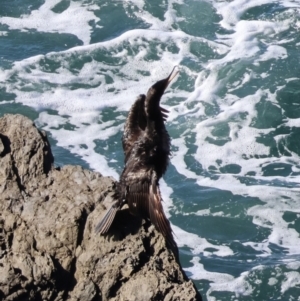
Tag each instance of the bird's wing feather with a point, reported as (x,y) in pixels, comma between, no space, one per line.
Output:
(157,215)
(106,221)
(144,199)
(137,196)
(135,124)
(158,218)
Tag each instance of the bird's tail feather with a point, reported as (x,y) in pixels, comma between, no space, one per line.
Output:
(105,223)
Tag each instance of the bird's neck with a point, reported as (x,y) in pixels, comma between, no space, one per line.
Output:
(155,124)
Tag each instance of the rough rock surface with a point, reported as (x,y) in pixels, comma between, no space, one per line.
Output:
(48,247)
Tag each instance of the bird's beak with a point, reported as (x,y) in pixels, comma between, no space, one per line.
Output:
(175,71)
(172,75)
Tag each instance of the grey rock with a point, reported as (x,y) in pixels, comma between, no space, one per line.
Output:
(48,247)
(1,147)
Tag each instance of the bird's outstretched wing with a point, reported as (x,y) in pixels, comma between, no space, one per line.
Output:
(158,217)
(134,126)
(106,221)
(144,199)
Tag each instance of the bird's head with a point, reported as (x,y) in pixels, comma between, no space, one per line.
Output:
(155,93)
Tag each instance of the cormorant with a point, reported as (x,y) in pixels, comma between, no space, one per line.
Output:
(136,123)
(146,145)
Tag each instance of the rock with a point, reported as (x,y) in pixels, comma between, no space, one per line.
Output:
(1,147)
(48,247)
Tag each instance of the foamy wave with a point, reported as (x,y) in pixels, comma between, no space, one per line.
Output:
(74,19)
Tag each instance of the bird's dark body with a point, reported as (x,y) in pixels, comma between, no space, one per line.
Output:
(146,145)
(146,163)
(136,123)
(151,150)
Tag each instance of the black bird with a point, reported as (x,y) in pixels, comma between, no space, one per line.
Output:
(146,145)
(136,123)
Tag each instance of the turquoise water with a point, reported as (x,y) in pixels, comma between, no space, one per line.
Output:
(232,190)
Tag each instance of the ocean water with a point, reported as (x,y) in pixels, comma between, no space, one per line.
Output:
(232,190)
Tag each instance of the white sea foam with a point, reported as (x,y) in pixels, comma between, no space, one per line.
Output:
(199,245)
(167,201)
(272,281)
(220,281)
(273,52)
(58,98)
(74,20)
(88,130)
(292,279)
(199,272)
(233,11)
(243,45)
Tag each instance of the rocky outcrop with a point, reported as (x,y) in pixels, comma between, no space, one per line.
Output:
(48,247)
